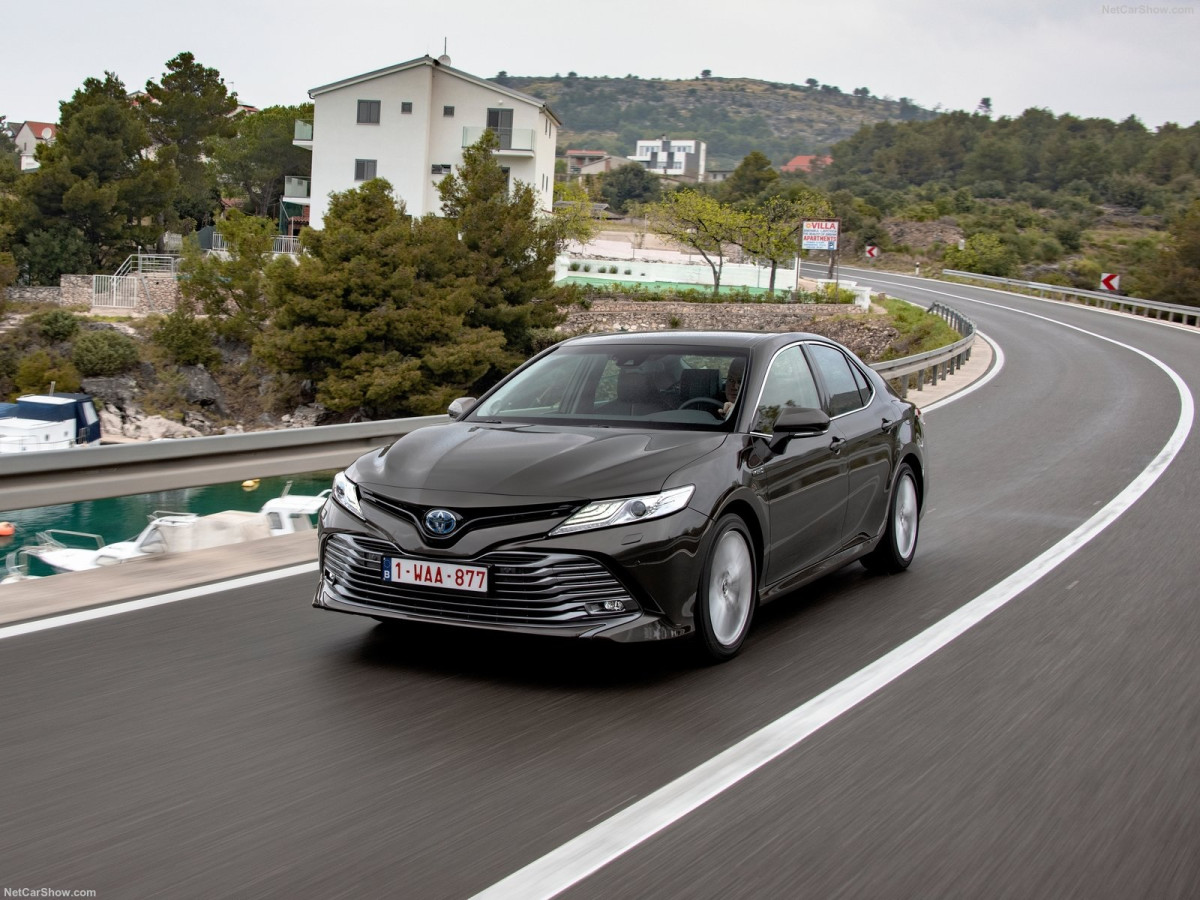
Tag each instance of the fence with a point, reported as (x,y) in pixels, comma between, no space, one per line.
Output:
(914,371)
(1188,315)
(115,290)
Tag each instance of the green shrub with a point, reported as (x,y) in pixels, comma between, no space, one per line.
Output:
(574,267)
(186,340)
(104,353)
(41,368)
(56,325)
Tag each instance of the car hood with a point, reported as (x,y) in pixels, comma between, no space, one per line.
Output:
(530,462)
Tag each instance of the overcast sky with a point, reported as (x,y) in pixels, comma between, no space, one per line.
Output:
(1086,58)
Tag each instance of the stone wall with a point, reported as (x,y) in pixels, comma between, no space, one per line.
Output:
(76,290)
(36,295)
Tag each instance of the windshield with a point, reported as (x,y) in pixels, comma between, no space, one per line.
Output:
(614,385)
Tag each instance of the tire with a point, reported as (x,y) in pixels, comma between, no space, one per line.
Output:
(728,592)
(898,545)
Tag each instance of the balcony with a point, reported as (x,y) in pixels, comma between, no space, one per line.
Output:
(513,141)
(302,134)
(296,188)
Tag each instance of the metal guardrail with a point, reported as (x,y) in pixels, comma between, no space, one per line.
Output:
(914,371)
(66,476)
(48,477)
(1107,300)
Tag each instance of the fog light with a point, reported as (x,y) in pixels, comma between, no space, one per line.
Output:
(607,606)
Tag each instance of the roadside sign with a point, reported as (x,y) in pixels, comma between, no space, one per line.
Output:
(872,251)
(1110,281)
(819,235)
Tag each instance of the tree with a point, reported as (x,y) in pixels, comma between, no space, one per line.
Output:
(701,223)
(189,107)
(95,188)
(752,176)
(374,313)
(231,291)
(985,106)
(1174,277)
(812,83)
(706,73)
(629,184)
(510,248)
(261,154)
(10,155)
(770,230)
(573,219)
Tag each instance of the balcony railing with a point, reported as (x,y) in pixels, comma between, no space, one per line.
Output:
(281,244)
(295,187)
(303,131)
(515,140)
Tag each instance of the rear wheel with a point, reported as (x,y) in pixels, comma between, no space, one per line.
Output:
(728,591)
(899,543)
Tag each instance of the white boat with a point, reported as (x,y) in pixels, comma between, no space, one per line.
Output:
(48,422)
(174,532)
(16,568)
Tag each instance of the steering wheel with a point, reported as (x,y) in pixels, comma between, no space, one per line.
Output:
(697,401)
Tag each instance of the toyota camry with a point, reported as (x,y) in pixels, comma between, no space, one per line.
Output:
(633,486)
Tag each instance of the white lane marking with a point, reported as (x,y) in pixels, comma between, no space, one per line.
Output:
(116,609)
(598,846)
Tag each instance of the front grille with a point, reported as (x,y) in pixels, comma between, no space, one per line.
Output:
(472,519)
(525,588)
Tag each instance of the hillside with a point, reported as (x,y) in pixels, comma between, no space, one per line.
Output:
(733,115)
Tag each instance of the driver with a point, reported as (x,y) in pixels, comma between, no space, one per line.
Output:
(733,384)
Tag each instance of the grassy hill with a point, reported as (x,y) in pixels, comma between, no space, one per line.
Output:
(733,115)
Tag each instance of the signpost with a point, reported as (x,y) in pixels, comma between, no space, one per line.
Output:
(872,251)
(821,234)
(1110,281)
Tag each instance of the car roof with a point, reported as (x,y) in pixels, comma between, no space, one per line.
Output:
(744,340)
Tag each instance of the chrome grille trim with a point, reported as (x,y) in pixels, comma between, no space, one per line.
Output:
(526,589)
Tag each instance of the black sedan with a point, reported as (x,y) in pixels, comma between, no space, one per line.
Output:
(633,487)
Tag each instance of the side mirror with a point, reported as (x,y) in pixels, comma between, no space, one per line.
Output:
(795,421)
(462,406)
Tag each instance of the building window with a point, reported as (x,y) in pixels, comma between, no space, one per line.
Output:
(364,169)
(368,112)
(448,112)
(441,169)
(405,107)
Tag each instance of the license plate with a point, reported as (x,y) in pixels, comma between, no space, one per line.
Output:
(438,575)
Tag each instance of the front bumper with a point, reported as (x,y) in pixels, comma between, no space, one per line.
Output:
(630,583)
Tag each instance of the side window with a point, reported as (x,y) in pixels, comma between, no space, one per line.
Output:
(840,380)
(368,112)
(364,169)
(788,383)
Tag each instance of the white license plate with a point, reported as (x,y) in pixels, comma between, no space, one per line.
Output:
(438,575)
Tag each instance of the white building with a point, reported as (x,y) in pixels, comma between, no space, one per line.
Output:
(409,123)
(28,137)
(675,159)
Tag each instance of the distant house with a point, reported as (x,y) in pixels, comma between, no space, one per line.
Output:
(684,160)
(27,138)
(805,163)
(409,123)
(578,159)
(714,175)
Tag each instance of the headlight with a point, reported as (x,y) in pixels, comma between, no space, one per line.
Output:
(345,492)
(606,513)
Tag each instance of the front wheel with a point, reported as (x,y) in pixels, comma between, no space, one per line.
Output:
(898,545)
(728,591)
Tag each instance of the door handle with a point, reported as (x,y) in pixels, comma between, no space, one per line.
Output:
(835,445)
(887,423)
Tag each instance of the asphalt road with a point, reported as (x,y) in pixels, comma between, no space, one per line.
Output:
(242,744)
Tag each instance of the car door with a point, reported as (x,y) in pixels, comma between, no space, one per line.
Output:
(867,447)
(803,487)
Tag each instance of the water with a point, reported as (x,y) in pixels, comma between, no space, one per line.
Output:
(122,518)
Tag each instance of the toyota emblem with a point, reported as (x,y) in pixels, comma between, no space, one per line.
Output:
(440,521)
